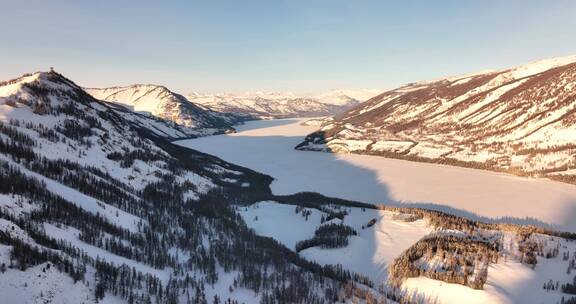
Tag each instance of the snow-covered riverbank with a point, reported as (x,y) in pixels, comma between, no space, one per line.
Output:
(267,146)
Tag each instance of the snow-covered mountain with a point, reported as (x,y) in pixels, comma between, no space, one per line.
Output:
(163,103)
(216,113)
(346,97)
(521,120)
(98,206)
(271,105)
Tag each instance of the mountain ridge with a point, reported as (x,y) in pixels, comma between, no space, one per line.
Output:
(96,201)
(97,205)
(519,120)
(159,101)
(274,105)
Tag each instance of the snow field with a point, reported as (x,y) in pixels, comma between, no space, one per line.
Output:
(374,248)
(267,146)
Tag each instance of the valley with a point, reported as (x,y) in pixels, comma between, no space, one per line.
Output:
(288,152)
(118,206)
(268,147)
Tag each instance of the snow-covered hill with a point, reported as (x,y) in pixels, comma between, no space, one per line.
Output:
(96,205)
(163,103)
(425,257)
(521,120)
(271,105)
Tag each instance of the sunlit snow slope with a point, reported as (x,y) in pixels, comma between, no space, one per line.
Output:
(267,105)
(161,102)
(520,120)
(374,250)
(97,206)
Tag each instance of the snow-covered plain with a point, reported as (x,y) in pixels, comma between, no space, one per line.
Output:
(268,147)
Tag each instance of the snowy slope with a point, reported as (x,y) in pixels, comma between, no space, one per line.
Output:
(97,206)
(163,103)
(42,284)
(267,105)
(344,97)
(119,213)
(369,253)
(521,120)
(376,248)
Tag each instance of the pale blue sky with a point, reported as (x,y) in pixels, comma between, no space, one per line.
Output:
(287,45)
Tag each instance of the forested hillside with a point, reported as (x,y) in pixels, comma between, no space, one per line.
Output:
(98,206)
(96,193)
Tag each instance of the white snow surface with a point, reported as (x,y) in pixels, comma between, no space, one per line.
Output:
(376,247)
(508,282)
(42,284)
(280,221)
(159,101)
(369,253)
(268,147)
(267,105)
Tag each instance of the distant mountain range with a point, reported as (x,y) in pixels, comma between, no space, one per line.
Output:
(217,113)
(520,120)
(271,105)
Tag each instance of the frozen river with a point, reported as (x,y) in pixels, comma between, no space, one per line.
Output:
(268,147)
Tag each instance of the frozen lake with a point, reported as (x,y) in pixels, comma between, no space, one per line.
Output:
(268,147)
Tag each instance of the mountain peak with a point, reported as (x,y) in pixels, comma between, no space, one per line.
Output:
(266,105)
(43,78)
(160,101)
(38,91)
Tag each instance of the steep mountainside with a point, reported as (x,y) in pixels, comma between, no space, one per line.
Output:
(97,206)
(163,103)
(521,120)
(272,105)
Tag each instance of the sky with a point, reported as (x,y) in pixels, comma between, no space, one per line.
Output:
(290,45)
